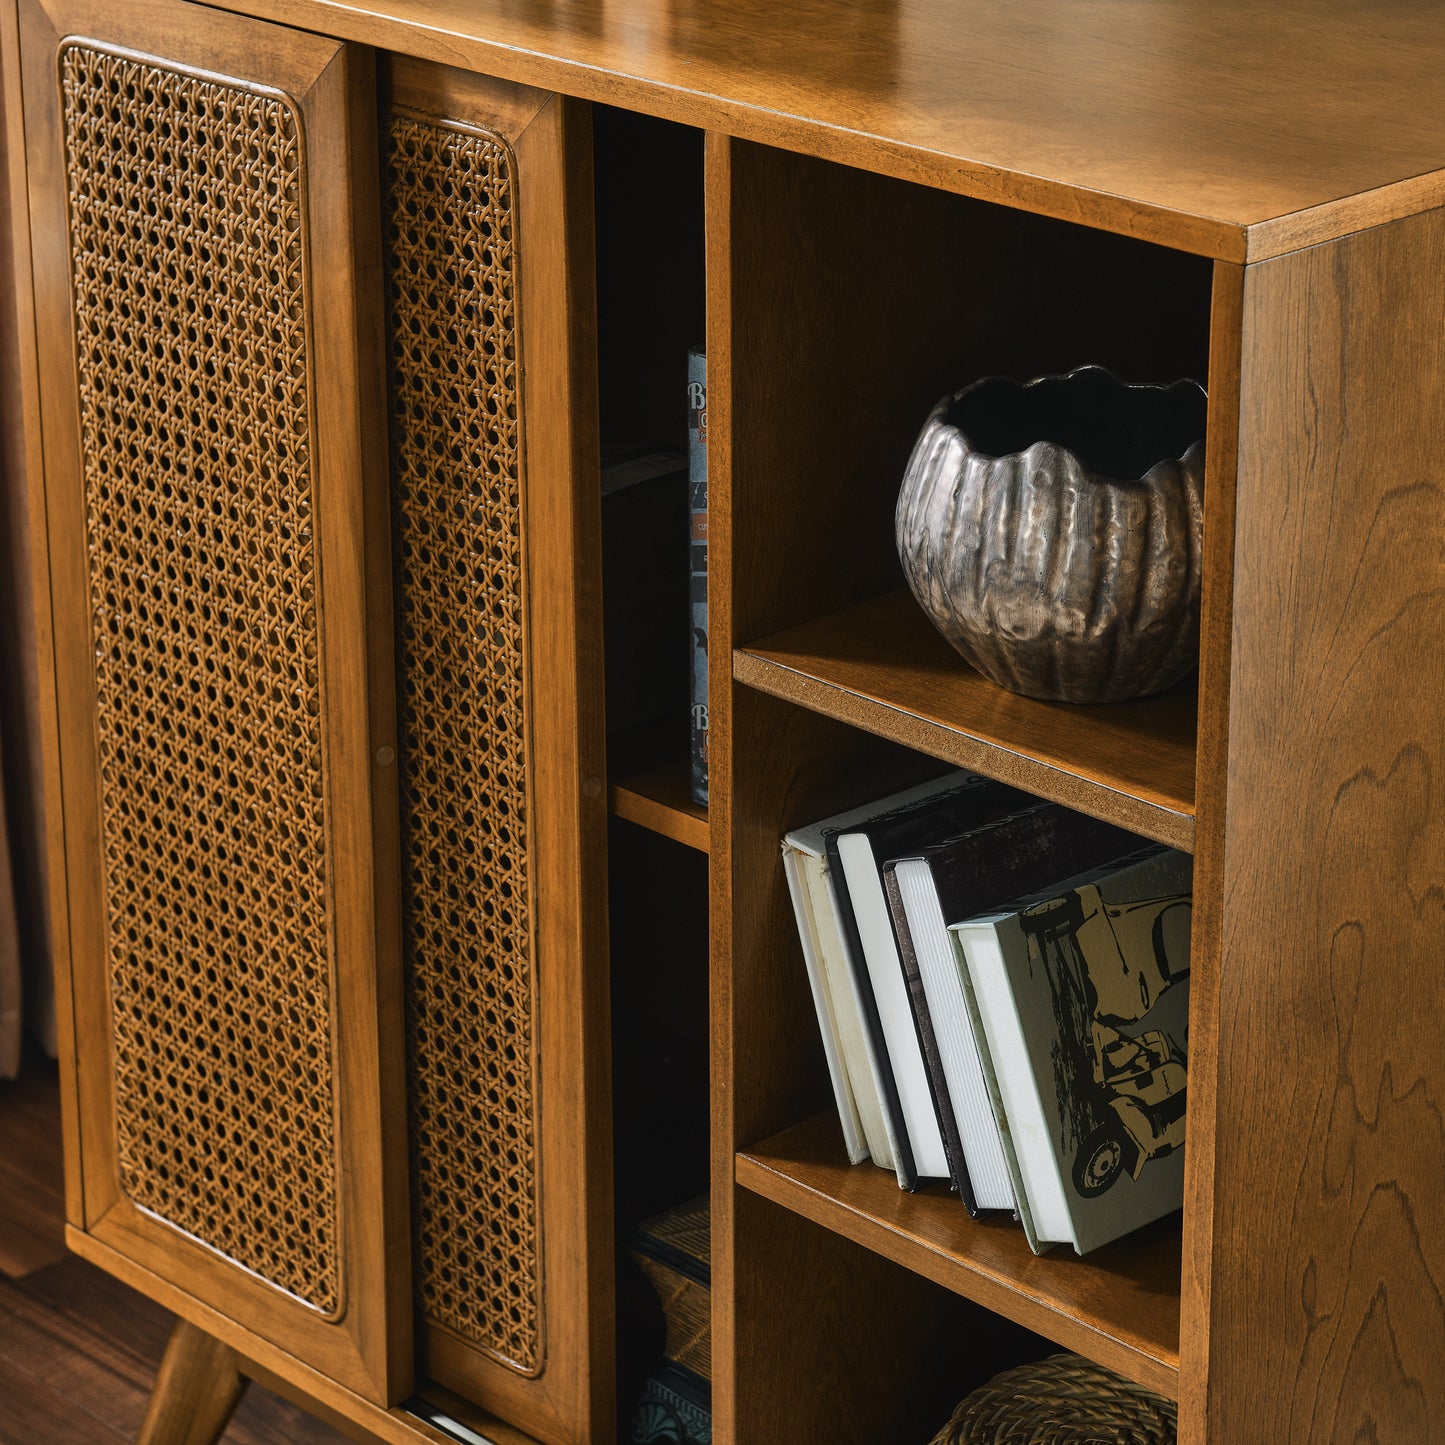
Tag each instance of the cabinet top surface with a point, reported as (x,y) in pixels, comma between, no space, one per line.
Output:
(1234,129)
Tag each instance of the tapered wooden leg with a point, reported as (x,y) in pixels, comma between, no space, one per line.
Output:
(199,1386)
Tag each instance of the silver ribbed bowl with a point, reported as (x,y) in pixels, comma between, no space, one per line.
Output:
(1051,530)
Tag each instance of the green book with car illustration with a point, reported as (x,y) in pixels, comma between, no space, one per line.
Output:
(1079,997)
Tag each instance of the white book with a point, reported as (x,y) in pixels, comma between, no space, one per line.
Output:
(890,995)
(843,1018)
(854,1137)
(988,1171)
(1080,1002)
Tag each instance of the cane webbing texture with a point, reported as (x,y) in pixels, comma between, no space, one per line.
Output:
(462,685)
(186,213)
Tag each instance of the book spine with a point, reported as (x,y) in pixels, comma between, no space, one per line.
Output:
(968,940)
(928,1043)
(888,1096)
(697,551)
(853,1137)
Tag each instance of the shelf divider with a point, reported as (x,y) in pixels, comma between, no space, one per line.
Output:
(882,667)
(1118,1306)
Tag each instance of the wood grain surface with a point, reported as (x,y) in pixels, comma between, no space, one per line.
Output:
(881,666)
(79,1353)
(1211,789)
(197,1390)
(820,360)
(841,1346)
(288,1376)
(25,405)
(1119,1306)
(1297,145)
(514,1217)
(79,1350)
(366,1339)
(20,705)
(573,1394)
(1326,1217)
(854,303)
(1178,121)
(32,1192)
(660,798)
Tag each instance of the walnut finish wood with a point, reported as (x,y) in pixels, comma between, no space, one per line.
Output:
(287,1375)
(1216,621)
(660,799)
(357,1324)
(1119,1306)
(454,303)
(822,360)
(855,304)
(1181,122)
(524,1330)
(79,1352)
(23,770)
(196,1393)
(1326,1225)
(856,1350)
(30,478)
(883,667)
(723,1136)
(1306,1303)
(787,766)
(564,570)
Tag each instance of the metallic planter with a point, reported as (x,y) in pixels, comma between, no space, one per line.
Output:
(1051,530)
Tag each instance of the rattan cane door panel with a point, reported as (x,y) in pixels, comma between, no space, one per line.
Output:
(493,470)
(212,381)
(451,269)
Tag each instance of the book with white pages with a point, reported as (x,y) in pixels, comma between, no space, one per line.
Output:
(856,854)
(854,1138)
(949,883)
(1079,997)
(840,1005)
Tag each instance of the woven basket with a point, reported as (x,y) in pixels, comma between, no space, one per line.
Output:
(1063,1400)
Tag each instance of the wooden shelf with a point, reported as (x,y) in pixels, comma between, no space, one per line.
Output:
(1118,1306)
(661,799)
(882,667)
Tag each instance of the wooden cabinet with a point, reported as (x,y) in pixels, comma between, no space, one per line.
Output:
(896,201)
(315,384)
(210,378)
(486,203)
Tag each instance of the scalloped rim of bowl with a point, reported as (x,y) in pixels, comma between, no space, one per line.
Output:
(1184,386)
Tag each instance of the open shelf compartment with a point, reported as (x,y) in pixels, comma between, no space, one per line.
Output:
(842,307)
(1118,1306)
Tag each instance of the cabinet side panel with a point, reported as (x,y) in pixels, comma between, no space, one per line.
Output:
(190,304)
(1212,769)
(1328,1293)
(451,269)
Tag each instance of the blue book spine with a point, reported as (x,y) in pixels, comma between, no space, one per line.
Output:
(697,506)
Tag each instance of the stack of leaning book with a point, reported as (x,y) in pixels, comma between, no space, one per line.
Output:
(1002,988)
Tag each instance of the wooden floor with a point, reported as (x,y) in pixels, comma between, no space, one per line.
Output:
(78,1351)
